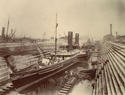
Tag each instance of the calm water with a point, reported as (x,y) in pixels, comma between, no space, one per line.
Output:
(82,88)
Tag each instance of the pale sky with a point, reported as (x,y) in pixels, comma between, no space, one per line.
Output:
(87,17)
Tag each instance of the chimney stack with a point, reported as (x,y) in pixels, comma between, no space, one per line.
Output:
(110,29)
(3,32)
(70,40)
(77,39)
(116,34)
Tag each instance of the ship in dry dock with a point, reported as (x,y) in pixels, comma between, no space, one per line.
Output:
(27,63)
(50,67)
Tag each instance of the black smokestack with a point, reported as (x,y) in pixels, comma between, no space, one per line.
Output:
(77,39)
(116,34)
(70,39)
(3,32)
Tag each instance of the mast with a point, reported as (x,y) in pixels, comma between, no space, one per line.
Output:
(7,28)
(56,36)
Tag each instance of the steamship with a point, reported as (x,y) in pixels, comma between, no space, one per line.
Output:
(23,76)
(24,79)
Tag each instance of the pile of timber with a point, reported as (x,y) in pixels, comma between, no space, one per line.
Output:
(5,84)
(4,71)
(110,75)
(21,62)
(6,45)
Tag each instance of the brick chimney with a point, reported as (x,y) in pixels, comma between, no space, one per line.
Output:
(3,32)
(110,29)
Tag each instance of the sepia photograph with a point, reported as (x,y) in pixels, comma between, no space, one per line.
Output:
(62,47)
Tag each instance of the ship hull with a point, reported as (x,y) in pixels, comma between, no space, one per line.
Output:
(30,79)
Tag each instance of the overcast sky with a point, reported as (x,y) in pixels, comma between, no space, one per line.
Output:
(87,17)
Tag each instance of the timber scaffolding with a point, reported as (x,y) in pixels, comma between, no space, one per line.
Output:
(110,75)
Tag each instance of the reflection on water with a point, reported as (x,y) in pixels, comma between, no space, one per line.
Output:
(82,88)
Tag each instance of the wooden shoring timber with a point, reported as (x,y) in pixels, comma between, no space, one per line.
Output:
(115,68)
(99,85)
(3,74)
(25,60)
(3,45)
(4,78)
(110,81)
(120,56)
(117,45)
(107,82)
(119,68)
(116,74)
(121,79)
(114,79)
(94,91)
(116,86)
(122,51)
(104,84)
